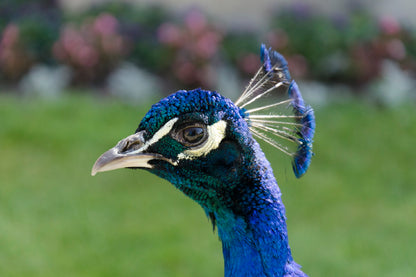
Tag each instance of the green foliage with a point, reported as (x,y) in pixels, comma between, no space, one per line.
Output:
(144,15)
(241,48)
(350,215)
(38,34)
(348,48)
(313,37)
(361,27)
(39,23)
(28,30)
(14,10)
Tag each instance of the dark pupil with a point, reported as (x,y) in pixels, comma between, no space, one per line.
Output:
(193,134)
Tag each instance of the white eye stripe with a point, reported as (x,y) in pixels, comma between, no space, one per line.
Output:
(216,133)
(158,135)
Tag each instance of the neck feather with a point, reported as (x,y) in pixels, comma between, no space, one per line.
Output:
(255,244)
(254,240)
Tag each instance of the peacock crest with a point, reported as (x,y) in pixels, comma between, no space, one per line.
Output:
(276,112)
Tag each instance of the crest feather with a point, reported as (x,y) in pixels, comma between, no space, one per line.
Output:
(284,120)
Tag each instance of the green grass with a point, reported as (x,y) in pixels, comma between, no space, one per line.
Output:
(352,214)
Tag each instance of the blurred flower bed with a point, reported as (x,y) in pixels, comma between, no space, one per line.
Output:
(353,50)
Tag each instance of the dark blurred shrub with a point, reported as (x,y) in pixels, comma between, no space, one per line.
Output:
(317,46)
(398,43)
(91,50)
(194,47)
(28,29)
(93,43)
(15,61)
(347,48)
(180,49)
(138,25)
(241,48)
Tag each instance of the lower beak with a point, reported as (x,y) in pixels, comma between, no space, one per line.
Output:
(127,153)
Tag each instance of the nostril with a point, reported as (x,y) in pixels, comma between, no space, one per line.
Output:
(132,146)
(131,143)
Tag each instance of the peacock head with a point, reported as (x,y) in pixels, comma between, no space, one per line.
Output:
(198,140)
(203,143)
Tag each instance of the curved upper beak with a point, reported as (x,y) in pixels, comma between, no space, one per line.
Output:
(127,153)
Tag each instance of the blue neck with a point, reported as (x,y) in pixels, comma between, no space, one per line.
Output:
(254,240)
(256,245)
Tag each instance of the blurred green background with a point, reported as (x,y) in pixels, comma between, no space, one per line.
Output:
(73,84)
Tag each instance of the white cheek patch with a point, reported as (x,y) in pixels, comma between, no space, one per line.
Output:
(216,133)
(157,136)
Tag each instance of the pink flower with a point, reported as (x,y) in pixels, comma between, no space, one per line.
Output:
(10,36)
(207,45)
(170,34)
(86,56)
(389,25)
(105,24)
(195,21)
(250,63)
(194,43)
(71,39)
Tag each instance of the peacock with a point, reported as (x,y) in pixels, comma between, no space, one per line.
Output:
(205,145)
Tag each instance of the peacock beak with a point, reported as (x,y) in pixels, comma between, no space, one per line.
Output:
(128,152)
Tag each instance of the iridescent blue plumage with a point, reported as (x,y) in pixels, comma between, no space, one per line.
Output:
(271,59)
(303,155)
(305,113)
(273,125)
(203,144)
(182,102)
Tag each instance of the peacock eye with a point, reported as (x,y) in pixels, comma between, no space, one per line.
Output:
(192,135)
